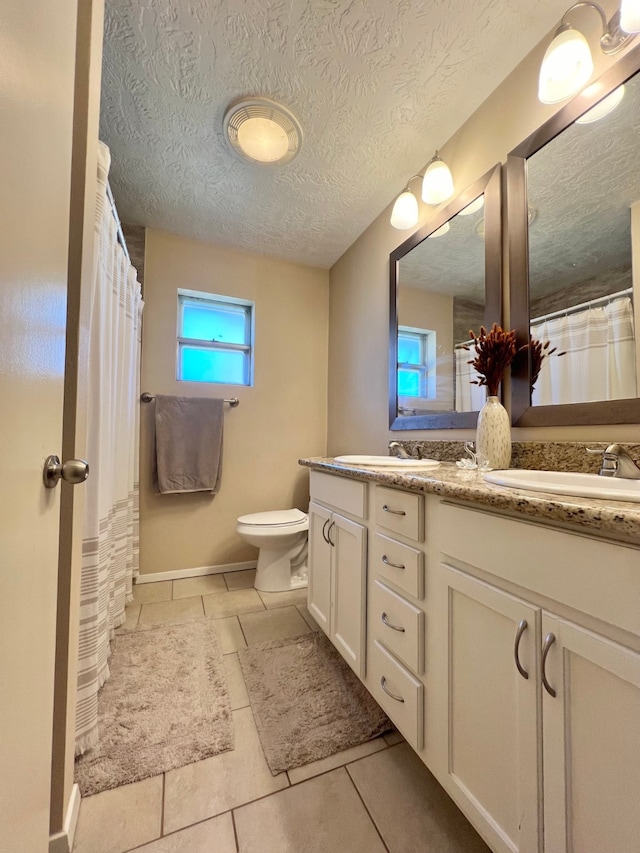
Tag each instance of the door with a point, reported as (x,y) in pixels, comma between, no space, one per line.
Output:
(319,591)
(492,761)
(37,59)
(348,599)
(591,742)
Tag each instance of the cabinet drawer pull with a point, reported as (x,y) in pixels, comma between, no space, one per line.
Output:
(383,684)
(388,562)
(549,640)
(329,539)
(522,627)
(393,511)
(389,625)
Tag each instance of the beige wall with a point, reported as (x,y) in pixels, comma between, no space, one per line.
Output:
(425,310)
(358,375)
(281,418)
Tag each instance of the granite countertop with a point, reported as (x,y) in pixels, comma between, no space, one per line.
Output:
(618,520)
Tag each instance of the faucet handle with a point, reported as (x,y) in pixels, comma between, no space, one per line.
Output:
(595,451)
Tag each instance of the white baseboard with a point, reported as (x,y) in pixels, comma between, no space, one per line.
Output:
(195,573)
(62,842)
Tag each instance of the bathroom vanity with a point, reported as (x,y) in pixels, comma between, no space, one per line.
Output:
(500,631)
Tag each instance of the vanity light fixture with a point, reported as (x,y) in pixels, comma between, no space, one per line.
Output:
(405,212)
(473,207)
(567,63)
(437,184)
(603,107)
(630,16)
(262,131)
(440,232)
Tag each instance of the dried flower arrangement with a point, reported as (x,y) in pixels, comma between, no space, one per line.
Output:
(495,350)
(539,351)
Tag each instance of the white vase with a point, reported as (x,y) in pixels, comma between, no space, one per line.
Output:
(493,434)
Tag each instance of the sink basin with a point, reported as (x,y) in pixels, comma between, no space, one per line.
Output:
(386,462)
(568,483)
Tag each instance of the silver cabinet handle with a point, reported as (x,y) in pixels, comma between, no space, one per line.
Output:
(383,684)
(393,511)
(72,471)
(549,640)
(329,539)
(522,627)
(324,529)
(388,562)
(389,625)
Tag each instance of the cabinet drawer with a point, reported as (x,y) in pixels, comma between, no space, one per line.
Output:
(398,625)
(402,512)
(402,695)
(388,555)
(339,492)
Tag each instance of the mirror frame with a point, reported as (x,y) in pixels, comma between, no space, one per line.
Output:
(523,414)
(489,185)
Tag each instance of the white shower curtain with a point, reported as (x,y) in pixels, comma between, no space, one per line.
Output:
(599,363)
(110,539)
(469,398)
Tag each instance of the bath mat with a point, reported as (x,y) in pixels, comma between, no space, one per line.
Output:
(165,705)
(306,702)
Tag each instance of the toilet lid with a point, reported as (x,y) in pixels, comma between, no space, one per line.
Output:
(275,518)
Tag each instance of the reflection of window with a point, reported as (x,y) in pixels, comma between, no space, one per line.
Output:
(416,363)
(215,338)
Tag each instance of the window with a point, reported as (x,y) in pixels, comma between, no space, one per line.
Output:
(215,338)
(416,363)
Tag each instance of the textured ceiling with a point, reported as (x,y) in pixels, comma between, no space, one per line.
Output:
(376,86)
(582,185)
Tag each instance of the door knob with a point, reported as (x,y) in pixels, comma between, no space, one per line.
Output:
(72,471)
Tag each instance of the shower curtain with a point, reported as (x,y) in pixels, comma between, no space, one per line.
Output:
(469,398)
(599,363)
(110,538)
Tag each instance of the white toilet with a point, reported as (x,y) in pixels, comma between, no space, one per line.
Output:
(281,536)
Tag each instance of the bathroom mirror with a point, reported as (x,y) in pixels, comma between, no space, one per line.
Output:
(444,280)
(573,191)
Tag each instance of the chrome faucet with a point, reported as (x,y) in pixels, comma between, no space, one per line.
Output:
(401,453)
(616,462)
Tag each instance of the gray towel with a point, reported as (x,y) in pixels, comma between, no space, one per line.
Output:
(188,444)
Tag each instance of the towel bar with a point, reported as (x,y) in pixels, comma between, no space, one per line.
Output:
(145,397)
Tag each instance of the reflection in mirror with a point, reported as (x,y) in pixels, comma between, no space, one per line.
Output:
(585,188)
(574,187)
(439,291)
(440,297)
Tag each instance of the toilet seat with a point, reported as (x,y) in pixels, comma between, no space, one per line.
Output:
(275,518)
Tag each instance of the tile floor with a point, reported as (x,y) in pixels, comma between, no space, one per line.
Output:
(374,798)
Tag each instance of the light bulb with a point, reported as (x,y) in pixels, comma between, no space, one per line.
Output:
(405,211)
(630,16)
(603,107)
(473,207)
(566,67)
(437,184)
(440,232)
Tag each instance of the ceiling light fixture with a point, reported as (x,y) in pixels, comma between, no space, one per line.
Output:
(602,108)
(567,63)
(437,184)
(262,131)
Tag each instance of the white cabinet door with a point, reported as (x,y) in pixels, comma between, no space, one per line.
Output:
(348,599)
(491,708)
(320,552)
(591,742)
